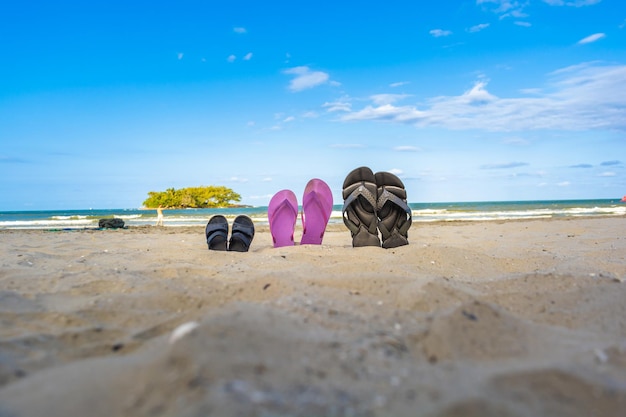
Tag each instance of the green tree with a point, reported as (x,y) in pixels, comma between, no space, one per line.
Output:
(193,197)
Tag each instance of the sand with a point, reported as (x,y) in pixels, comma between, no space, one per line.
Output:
(516,318)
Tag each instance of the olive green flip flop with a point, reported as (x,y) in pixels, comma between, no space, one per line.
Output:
(394,214)
(359,207)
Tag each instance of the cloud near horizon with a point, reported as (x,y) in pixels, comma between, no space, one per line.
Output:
(507,165)
(582,97)
(406,149)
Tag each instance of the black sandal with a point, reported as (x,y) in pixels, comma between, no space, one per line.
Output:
(242,235)
(216,233)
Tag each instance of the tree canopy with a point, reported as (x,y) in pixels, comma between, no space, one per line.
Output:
(193,197)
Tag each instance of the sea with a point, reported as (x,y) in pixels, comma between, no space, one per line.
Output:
(421,212)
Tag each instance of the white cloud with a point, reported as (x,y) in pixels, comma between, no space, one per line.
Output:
(531,91)
(478,28)
(574,3)
(522,24)
(406,149)
(581,97)
(591,38)
(478,94)
(505,8)
(437,33)
(516,9)
(231,58)
(248,56)
(339,105)
(515,13)
(501,6)
(305,78)
(239,30)
(396,171)
(347,146)
(388,98)
(611,163)
(398,84)
(310,115)
(516,141)
(608,174)
(506,165)
(564,184)
(265,197)
(180,55)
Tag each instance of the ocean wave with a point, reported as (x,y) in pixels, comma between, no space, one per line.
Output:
(47,224)
(422,212)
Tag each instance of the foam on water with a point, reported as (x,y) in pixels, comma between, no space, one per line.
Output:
(421,212)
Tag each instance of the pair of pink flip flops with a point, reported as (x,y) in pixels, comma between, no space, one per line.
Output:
(317,204)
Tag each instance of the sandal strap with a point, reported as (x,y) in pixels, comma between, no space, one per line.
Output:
(242,229)
(216,227)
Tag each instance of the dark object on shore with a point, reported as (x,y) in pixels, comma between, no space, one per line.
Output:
(111,223)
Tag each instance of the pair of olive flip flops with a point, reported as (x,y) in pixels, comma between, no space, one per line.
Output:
(373,203)
(216,233)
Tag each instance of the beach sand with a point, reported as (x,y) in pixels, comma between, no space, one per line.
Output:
(516,318)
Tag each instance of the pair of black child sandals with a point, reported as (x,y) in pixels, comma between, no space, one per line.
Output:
(216,233)
(376,202)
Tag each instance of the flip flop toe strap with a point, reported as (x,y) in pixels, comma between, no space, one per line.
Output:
(386,196)
(361,190)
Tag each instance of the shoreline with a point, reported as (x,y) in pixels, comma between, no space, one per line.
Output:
(335,224)
(422,213)
(490,318)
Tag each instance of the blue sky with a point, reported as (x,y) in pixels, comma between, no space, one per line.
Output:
(103,101)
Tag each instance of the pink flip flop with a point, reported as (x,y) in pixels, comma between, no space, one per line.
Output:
(282,213)
(317,204)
